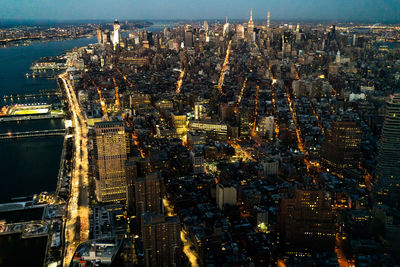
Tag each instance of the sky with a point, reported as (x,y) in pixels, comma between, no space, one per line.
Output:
(349,10)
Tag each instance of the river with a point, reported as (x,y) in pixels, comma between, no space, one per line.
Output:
(29,166)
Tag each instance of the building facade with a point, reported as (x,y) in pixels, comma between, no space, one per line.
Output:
(307,222)
(226,195)
(148,194)
(342,148)
(161,240)
(387,188)
(110,153)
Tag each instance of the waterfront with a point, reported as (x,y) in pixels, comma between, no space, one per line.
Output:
(29,166)
(15,63)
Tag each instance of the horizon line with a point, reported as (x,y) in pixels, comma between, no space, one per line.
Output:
(205,19)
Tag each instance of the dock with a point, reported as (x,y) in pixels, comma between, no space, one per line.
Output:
(31,117)
(27,229)
(41,94)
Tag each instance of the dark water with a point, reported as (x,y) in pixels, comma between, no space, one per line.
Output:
(26,215)
(17,252)
(15,62)
(29,166)
(35,125)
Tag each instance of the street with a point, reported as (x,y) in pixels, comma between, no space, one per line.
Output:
(78,205)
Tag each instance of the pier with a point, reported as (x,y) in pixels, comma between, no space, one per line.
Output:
(57,132)
(31,117)
(48,66)
(27,229)
(41,94)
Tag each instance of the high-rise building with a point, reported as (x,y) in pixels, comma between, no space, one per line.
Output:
(240,31)
(116,34)
(197,156)
(110,153)
(205,24)
(149,37)
(266,127)
(226,195)
(188,38)
(307,221)
(354,39)
(244,130)
(226,28)
(198,110)
(387,187)
(106,37)
(99,35)
(332,34)
(131,173)
(268,19)
(161,240)
(286,44)
(148,194)
(251,37)
(250,26)
(337,60)
(342,147)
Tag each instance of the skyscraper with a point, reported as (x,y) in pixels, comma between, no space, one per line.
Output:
(110,156)
(161,240)
(251,37)
(106,37)
(188,38)
(250,26)
(244,130)
(99,35)
(226,27)
(268,19)
(387,188)
(148,194)
(116,35)
(240,31)
(131,172)
(205,25)
(342,147)
(225,195)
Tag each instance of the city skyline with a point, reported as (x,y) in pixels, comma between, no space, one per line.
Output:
(342,10)
(259,139)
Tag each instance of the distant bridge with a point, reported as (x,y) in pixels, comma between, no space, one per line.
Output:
(163,25)
(17,135)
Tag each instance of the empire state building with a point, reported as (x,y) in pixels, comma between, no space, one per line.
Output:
(251,23)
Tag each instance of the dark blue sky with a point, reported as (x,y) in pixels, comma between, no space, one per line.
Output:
(372,10)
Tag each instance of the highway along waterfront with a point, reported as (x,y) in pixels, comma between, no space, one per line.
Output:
(78,205)
(29,165)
